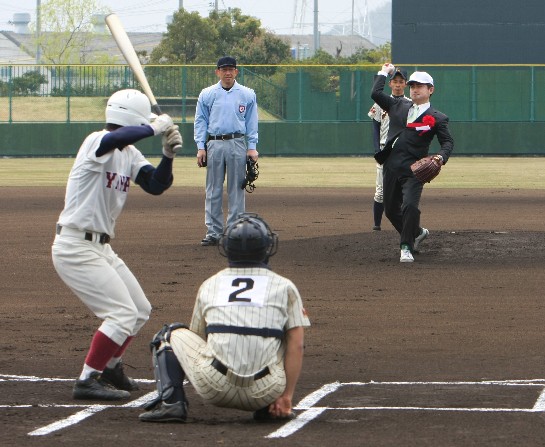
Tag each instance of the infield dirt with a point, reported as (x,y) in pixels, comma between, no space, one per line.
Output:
(469,309)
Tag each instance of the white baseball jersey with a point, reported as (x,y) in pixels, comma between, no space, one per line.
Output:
(97,186)
(95,195)
(243,297)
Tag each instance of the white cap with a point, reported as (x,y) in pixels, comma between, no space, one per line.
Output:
(420,77)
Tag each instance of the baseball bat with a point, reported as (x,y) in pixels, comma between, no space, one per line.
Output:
(124,44)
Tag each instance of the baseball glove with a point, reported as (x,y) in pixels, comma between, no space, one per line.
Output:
(252,172)
(426,169)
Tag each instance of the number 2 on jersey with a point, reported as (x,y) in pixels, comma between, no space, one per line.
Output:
(242,291)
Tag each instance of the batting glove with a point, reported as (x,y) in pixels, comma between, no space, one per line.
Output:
(161,124)
(172,141)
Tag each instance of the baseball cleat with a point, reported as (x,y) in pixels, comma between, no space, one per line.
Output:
(96,389)
(376,228)
(209,240)
(424,233)
(164,412)
(117,378)
(406,255)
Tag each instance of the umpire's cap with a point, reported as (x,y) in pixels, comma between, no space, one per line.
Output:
(227,61)
(248,240)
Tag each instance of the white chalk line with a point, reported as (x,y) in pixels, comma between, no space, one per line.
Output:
(310,412)
(14,378)
(89,411)
(306,405)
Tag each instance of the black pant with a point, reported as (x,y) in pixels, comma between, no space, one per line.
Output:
(401,199)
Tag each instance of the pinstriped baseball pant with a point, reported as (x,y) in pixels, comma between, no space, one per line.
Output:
(230,390)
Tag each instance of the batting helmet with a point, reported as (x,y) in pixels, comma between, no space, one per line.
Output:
(248,239)
(128,108)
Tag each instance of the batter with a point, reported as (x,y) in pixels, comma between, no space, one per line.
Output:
(96,192)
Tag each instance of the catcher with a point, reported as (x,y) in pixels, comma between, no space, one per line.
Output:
(413,124)
(244,346)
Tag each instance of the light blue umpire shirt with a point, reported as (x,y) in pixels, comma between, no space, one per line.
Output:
(221,112)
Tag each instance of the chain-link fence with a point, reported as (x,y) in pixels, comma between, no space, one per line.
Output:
(293,93)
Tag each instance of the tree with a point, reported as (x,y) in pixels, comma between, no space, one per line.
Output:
(381,54)
(29,83)
(189,39)
(265,49)
(66,31)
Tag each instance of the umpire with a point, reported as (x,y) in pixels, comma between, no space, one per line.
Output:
(225,132)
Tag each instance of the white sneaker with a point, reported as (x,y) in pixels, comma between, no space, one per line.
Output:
(423,235)
(406,255)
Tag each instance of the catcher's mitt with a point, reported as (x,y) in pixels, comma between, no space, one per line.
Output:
(252,172)
(426,169)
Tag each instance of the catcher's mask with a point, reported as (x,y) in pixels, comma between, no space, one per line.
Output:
(248,239)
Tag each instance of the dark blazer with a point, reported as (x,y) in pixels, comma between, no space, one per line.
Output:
(409,144)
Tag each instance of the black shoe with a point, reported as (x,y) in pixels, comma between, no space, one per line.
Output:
(164,412)
(95,388)
(209,240)
(118,379)
(376,228)
(263,415)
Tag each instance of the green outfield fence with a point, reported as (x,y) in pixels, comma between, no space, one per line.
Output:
(318,110)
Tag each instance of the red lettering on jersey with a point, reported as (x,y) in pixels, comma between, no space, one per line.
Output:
(110,177)
(125,183)
(122,184)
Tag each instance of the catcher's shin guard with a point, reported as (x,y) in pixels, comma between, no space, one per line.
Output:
(169,375)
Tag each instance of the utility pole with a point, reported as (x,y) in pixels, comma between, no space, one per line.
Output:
(38,31)
(316,33)
(181,4)
(352,30)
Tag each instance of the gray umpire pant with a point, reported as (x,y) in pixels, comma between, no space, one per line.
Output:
(224,158)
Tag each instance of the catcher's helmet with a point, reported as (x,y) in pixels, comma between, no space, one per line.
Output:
(128,108)
(248,239)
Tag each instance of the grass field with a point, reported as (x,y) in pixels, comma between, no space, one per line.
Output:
(38,109)
(460,172)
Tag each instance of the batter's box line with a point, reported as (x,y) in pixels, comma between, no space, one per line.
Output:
(88,410)
(311,412)
(306,405)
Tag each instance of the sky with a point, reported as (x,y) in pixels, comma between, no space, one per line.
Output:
(278,16)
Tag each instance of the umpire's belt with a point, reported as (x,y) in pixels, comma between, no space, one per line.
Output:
(227,136)
(221,368)
(91,236)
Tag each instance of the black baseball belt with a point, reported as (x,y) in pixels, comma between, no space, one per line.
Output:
(227,136)
(242,330)
(221,368)
(101,238)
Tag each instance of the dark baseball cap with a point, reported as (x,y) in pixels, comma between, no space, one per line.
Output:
(227,61)
(401,73)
